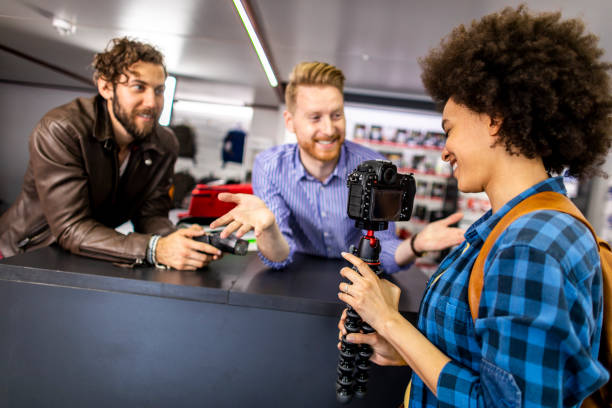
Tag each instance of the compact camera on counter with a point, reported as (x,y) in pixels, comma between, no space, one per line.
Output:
(231,244)
(379,194)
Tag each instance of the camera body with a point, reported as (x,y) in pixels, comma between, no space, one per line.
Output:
(379,194)
(231,244)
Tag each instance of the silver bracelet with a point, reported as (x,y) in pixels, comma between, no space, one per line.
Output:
(148,257)
(154,256)
(151,249)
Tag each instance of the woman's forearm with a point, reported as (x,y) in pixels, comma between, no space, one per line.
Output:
(425,359)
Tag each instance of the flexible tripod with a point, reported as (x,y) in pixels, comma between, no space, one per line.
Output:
(354,363)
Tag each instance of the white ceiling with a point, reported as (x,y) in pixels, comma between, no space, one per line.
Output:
(376,43)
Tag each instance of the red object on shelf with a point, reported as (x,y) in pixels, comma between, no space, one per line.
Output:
(205,206)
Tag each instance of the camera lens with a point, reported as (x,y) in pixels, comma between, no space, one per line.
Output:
(389,176)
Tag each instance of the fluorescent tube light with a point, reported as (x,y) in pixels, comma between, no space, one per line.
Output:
(263,59)
(214,109)
(164,118)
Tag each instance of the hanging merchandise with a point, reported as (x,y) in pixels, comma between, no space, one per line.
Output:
(187,141)
(233,146)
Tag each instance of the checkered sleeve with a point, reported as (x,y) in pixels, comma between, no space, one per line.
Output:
(539,320)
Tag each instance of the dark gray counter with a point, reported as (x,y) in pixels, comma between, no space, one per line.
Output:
(81,332)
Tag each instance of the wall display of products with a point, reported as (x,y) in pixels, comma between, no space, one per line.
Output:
(436,189)
(473,206)
(413,141)
(398,136)
(419,153)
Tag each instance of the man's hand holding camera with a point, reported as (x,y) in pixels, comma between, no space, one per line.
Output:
(179,251)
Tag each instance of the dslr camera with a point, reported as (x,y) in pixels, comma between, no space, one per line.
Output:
(379,194)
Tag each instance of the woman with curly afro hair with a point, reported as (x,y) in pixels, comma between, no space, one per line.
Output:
(525,98)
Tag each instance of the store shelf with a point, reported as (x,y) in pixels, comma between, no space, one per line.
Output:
(425,176)
(473,206)
(414,143)
(388,146)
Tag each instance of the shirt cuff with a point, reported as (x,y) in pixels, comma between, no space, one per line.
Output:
(454,385)
(275,265)
(278,265)
(387,256)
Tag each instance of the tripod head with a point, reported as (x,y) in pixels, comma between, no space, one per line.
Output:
(369,251)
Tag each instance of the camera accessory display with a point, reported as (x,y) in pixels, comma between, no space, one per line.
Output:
(231,244)
(375,133)
(360,131)
(377,195)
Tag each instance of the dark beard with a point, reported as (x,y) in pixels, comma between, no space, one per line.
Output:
(128,123)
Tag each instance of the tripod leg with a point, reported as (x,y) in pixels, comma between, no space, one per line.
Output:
(354,365)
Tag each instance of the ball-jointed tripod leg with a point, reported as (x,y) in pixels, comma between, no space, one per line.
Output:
(354,363)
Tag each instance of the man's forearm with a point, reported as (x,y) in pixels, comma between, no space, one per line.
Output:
(272,244)
(93,239)
(404,254)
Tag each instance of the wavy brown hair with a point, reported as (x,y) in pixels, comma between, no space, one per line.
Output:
(312,73)
(542,76)
(120,54)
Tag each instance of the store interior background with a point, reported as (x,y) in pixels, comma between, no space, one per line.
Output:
(222,86)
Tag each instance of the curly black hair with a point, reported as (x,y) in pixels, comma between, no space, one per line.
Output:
(120,54)
(542,76)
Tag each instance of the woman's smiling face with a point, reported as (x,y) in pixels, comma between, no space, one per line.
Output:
(468,149)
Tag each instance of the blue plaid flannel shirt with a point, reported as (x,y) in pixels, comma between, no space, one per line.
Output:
(536,338)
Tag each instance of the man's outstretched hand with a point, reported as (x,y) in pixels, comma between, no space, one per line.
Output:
(250,213)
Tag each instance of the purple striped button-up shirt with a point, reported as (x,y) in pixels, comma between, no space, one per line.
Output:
(312,214)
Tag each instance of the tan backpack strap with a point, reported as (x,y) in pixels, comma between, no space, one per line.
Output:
(546,200)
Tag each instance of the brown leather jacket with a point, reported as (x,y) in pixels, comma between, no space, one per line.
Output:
(72,193)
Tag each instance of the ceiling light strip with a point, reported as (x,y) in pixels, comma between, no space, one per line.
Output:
(259,49)
(166,114)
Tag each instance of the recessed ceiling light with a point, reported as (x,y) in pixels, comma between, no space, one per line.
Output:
(63,27)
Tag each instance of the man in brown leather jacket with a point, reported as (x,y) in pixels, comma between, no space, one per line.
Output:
(98,162)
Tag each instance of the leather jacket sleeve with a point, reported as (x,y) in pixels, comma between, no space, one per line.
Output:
(62,186)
